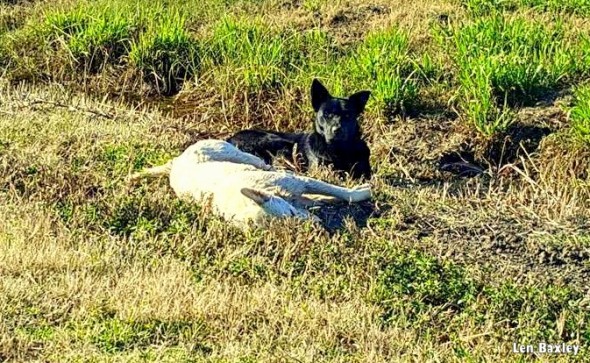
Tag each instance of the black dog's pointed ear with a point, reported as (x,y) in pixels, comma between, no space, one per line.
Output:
(319,94)
(359,100)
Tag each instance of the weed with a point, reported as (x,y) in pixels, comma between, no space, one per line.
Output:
(247,269)
(112,335)
(117,159)
(129,215)
(536,311)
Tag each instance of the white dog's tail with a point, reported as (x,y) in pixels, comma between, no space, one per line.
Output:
(155,171)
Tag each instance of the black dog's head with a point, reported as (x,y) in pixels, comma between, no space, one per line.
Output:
(337,118)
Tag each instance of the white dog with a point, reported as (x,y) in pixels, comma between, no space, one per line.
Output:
(242,187)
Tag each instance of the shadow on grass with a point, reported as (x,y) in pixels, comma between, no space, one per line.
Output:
(505,148)
(334,216)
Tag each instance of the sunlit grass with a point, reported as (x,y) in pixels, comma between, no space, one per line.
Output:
(512,61)
(580,113)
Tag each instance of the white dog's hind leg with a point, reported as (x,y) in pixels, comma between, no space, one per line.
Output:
(357,194)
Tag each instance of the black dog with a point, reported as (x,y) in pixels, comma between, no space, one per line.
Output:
(336,139)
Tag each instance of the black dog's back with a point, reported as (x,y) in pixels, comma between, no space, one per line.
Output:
(266,144)
(352,157)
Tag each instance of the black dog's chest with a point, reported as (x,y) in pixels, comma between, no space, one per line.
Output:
(354,154)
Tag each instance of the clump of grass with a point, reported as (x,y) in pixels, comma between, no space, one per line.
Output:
(257,55)
(150,40)
(64,22)
(166,54)
(504,60)
(525,59)
(580,113)
(104,40)
(91,40)
(382,62)
(479,102)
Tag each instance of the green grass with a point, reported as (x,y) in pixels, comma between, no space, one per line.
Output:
(383,64)
(413,283)
(262,57)
(580,113)
(143,274)
(257,56)
(97,41)
(479,101)
(503,60)
(113,335)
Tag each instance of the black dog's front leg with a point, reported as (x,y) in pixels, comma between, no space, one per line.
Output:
(361,169)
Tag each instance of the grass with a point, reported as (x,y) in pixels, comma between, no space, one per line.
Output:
(166,55)
(383,64)
(91,41)
(504,60)
(580,113)
(414,283)
(141,274)
(260,58)
(444,268)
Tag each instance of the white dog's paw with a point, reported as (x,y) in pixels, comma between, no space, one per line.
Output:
(360,193)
